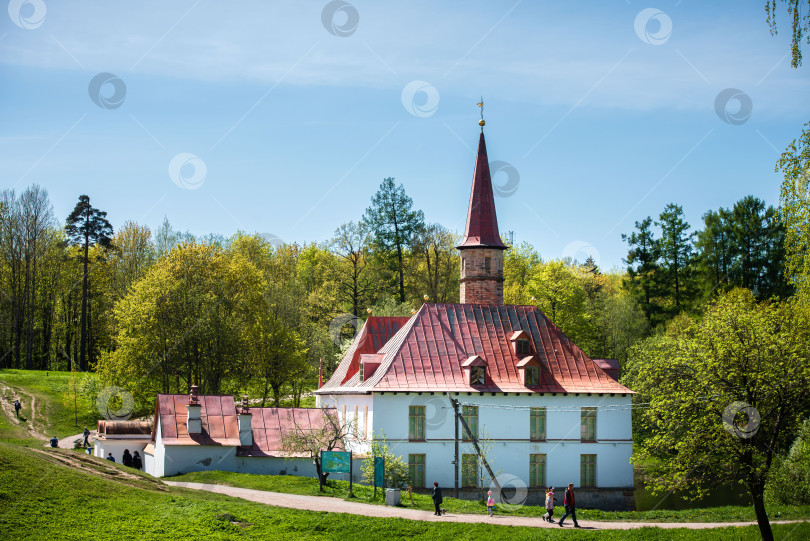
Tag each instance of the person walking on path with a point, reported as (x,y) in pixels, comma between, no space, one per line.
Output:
(86,437)
(110,457)
(437,499)
(490,503)
(17,407)
(549,505)
(126,460)
(137,463)
(54,442)
(570,505)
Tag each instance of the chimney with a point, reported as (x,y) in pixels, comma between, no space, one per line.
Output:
(194,423)
(245,430)
(320,373)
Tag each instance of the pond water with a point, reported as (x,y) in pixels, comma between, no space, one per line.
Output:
(729,494)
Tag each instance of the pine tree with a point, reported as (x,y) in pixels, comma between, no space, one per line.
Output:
(394,225)
(87,226)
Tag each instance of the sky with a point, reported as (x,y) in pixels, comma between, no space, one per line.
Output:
(282,118)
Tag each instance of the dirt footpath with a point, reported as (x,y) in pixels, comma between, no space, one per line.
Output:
(336,505)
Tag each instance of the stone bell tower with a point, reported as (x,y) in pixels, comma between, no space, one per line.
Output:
(481,248)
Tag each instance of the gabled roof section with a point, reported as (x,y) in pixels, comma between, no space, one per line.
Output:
(482,221)
(475,360)
(531,360)
(373,335)
(519,335)
(269,425)
(217,413)
(427,354)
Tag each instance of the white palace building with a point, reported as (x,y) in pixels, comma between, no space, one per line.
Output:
(552,414)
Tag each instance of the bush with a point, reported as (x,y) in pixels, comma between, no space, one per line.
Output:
(396,471)
(789,478)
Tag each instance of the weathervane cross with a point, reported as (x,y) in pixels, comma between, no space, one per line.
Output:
(481,106)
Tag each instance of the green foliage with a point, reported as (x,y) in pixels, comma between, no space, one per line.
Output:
(789,480)
(395,225)
(799,25)
(743,364)
(395,471)
(795,199)
(519,265)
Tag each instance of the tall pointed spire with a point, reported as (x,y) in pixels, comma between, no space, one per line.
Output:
(481,273)
(482,221)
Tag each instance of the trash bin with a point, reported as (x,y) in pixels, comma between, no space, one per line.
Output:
(392,496)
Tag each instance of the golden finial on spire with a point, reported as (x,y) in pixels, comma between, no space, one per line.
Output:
(481,106)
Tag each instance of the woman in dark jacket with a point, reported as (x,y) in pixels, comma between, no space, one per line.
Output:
(126,460)
(437,498)
(137,463)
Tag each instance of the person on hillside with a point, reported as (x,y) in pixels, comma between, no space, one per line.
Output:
(437,499)
(137,463)
(549,505)
(570,505)
(490,503)
(110,457)
(126,460)
(17,407)
(54,442)
(86,437)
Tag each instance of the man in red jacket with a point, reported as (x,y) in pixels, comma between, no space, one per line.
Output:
(570,505)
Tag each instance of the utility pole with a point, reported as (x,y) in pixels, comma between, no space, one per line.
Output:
(474,441)
(454,403)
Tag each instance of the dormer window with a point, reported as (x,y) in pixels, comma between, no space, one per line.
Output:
(476,369)
(529,370)
(521,344)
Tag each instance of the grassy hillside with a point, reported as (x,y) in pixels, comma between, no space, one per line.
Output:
(43,499)
(51,392)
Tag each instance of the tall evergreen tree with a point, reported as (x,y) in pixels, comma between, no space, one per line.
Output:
(643,268)
(87,226)
(676,254)
(394,223)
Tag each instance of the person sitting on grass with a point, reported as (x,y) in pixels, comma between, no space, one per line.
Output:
(110,457)
(54,442)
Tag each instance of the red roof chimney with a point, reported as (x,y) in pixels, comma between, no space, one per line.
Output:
(482,222)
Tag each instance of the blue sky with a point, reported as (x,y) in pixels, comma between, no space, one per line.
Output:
(279,124)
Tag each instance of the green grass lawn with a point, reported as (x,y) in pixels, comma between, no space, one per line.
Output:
(40,499)
(54,410)
(309,486)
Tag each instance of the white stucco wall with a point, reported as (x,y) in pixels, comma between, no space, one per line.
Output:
(363,423)
(116,446)
(509,428)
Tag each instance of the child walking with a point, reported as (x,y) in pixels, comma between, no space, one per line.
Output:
(490,503)
(549,505)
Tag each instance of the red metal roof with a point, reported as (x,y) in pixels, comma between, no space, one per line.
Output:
(374,334)
(217,413)
(220,425)
(270,424)
(482,221)
(427,354)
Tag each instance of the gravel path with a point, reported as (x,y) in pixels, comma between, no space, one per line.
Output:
(336,505)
